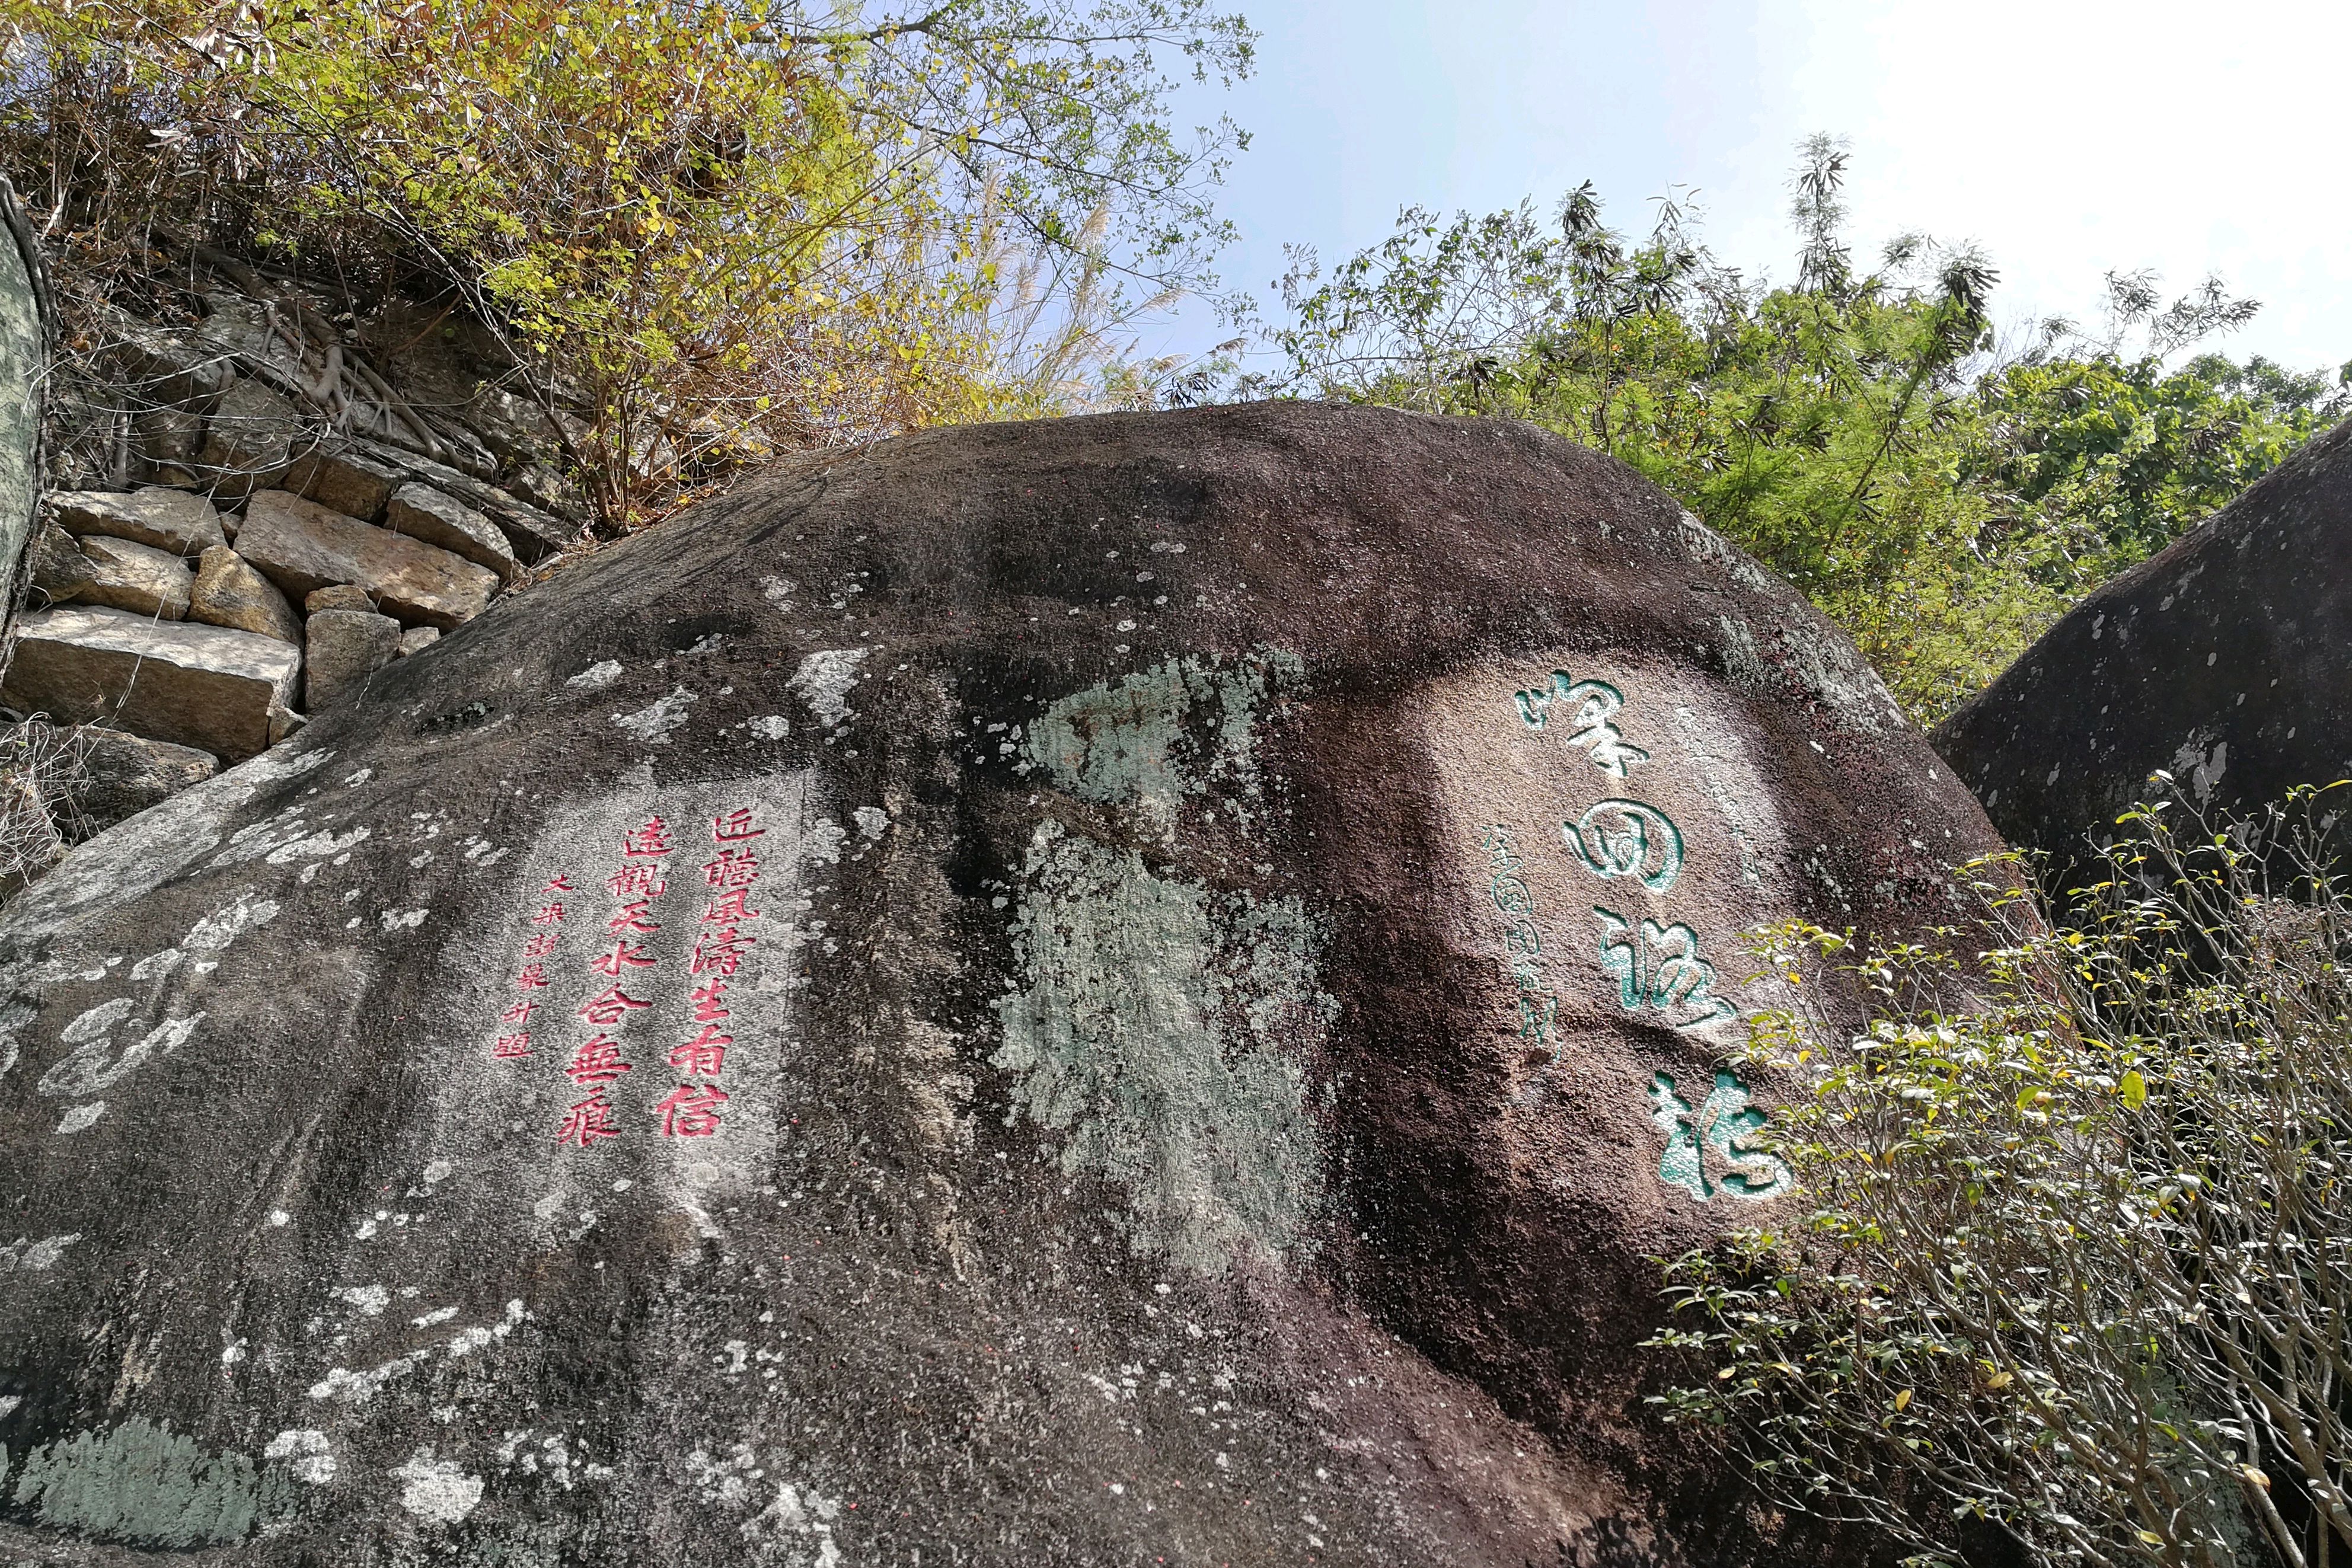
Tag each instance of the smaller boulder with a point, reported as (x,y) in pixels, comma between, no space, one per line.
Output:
(338,595)
(417,639)
(424,513)
(60,571)
(344,647)
(230,592)
(135,577)
(129,773)
(160,517)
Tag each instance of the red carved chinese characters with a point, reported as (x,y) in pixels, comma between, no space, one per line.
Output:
(588,1121)
(512,1041)
(691,1111)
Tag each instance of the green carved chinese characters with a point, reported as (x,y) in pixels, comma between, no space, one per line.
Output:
(1626,837)
(1711,1149)
(1589,705)
(1658,969)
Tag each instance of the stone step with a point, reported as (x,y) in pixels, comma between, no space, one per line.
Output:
(209,687)
(302,547)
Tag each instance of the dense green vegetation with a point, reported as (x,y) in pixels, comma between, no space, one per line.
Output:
(1940,493)
(2069,1276)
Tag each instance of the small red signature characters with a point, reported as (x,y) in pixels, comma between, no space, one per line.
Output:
(537,948)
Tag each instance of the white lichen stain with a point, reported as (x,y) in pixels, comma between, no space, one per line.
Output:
(78,1118)
(225,925)
(439,1490)
(401,919)
(303,1452)
(88,1069)
(653,723)
(156,965)
(823,680)
(805,1519)
(770,726)
(371,1299)
(596,676)
(33,1257)
(871,821)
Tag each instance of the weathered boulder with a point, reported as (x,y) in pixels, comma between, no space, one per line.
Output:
(203,686)
(135,577)
(27,326)
(1132,989)
(2225,661)
(164,518)
(342,648)
(301,546)
(417,639)
(129,773)
(230,592)
(426,513)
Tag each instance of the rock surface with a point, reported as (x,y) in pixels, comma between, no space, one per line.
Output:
(192,685)
(2225,661)
(251,437)
(417,639)
(129,773)
(426,513)
(348,482)
(60,571)
(230,592)
(341,648)
(1124,989)
(135,577)
(166,520)
(301,546)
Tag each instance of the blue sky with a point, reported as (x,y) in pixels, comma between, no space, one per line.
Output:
(2063,137)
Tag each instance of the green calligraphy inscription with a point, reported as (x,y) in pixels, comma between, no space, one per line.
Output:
(1590,706)
(1658,968)
(1711,1149)
(1626,838)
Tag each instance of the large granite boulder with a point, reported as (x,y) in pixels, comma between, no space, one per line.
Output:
(2225,661)
(1124,990)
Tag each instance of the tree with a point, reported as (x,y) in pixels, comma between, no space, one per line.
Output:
(706,229)
(2072,1264)
(1861,431)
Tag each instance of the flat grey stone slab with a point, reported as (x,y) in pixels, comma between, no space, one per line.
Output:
(205,686)
(230,593)
(424,513)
